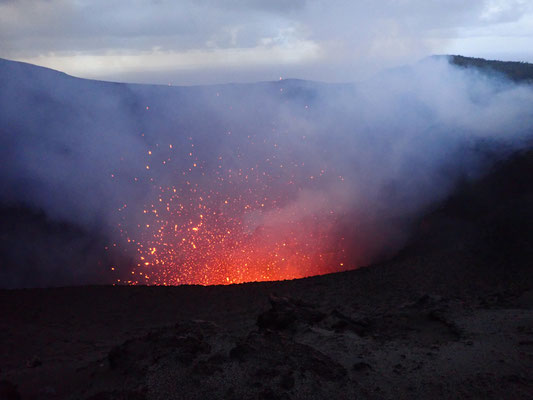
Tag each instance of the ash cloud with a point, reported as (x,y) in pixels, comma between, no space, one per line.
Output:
(376,154)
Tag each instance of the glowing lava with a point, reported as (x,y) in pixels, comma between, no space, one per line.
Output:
(224,240)
(214,218)
(196,236)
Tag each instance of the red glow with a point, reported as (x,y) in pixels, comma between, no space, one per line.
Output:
(201,244)
(196,237)
(218,225)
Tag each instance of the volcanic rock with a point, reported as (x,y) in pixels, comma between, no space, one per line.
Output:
(287,313)
(8,391)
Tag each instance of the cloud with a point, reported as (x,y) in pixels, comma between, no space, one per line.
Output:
(353,38)
(504,11)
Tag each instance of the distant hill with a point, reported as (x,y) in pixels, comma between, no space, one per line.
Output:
(516,71)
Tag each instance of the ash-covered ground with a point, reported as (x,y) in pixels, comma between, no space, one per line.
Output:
(451,316)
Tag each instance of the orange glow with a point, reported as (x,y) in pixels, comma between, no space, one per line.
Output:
(220,225)
(231,247)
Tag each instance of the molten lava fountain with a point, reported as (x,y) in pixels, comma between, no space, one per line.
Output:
(220,217)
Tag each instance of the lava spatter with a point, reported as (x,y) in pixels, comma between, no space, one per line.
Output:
(222,218)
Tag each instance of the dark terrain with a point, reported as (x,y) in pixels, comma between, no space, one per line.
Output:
(449,317)
(516,71)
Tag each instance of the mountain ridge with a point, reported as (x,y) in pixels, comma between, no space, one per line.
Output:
(518,71)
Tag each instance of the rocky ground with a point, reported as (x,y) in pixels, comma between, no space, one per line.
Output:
(451,316)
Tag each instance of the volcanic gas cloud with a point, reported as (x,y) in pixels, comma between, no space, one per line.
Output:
(234,183)
(252,218)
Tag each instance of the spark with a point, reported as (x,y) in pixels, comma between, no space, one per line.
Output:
(222,224)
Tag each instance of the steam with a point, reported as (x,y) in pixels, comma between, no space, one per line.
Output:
(376,154)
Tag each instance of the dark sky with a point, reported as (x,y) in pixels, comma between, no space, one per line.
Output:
(207,41)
